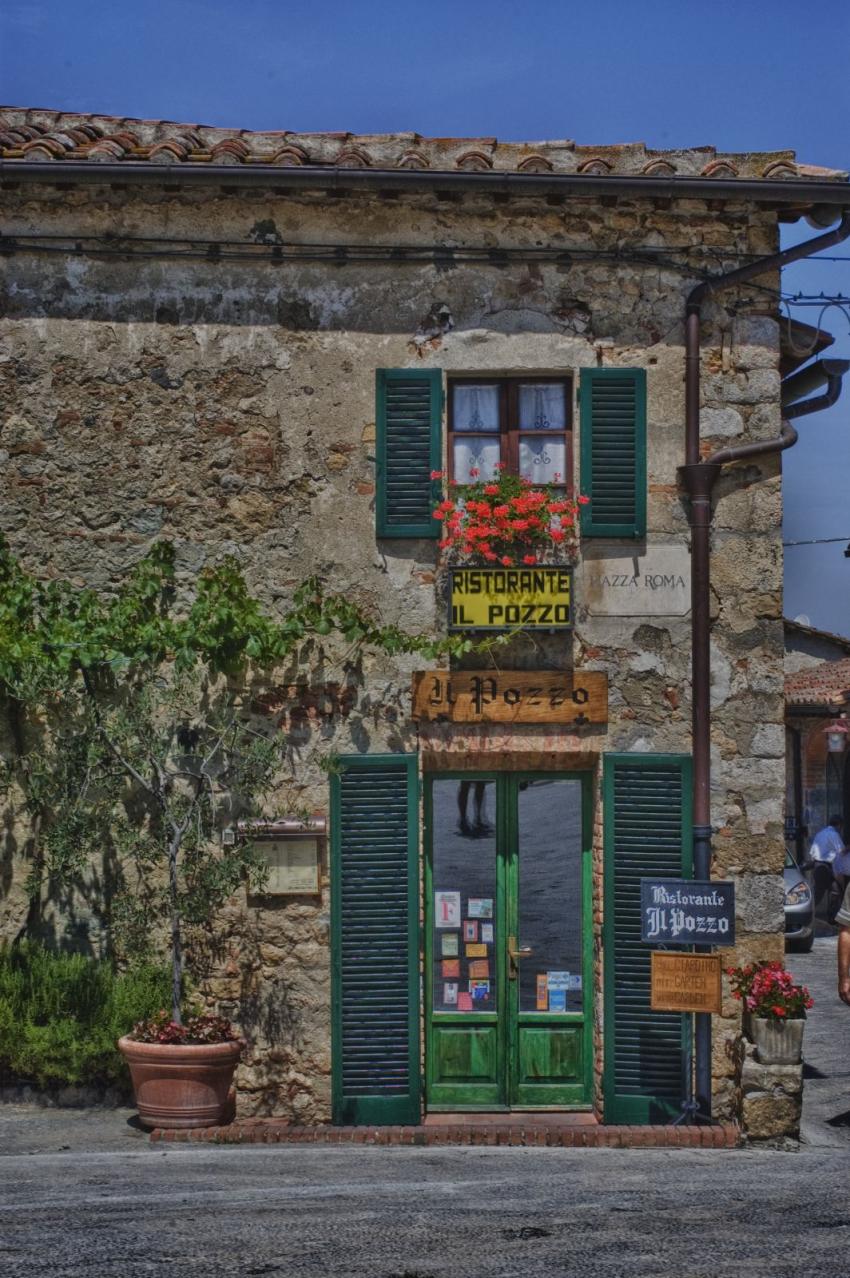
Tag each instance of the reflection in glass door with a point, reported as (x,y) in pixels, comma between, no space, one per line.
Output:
(546,900)
(508,958)
(466,943)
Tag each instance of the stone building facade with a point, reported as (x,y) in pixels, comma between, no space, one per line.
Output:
(193,321)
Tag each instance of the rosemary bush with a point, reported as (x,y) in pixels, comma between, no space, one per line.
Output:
(62,1014)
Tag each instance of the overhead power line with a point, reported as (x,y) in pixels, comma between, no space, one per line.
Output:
(818,541)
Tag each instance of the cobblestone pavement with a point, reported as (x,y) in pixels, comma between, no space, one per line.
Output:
(826,1048)
(409,1213)
(95,1198)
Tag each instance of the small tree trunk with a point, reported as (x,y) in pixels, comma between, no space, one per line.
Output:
(176,941)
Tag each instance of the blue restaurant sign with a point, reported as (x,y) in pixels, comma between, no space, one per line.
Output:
(687,912)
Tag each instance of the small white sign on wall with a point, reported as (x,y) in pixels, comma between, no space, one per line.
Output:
(655,582)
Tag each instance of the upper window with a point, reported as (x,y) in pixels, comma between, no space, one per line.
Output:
(525,425)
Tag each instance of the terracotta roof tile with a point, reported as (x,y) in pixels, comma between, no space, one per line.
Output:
(65,136)
(827,684)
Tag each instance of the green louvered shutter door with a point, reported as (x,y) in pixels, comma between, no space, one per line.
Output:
(375,940)
(408,437)
(647,824)
(613,451)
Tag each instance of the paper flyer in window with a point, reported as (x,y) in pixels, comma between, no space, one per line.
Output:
(447,909)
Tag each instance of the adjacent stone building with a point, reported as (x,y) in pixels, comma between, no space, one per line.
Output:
(817,696)
(264,343)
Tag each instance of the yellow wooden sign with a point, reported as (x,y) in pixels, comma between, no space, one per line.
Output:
(685,982)
(511,696)
(510,598)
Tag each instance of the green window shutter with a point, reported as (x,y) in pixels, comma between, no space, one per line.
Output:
(375,940)
(647,825)
(409,446)
(613,451)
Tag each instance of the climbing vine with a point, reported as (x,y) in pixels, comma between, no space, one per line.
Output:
(134,737)
(52,630)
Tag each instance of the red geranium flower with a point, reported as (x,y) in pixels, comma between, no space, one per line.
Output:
(506,516)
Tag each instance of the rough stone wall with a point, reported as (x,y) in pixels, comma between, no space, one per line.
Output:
(229,406)
(769,1098)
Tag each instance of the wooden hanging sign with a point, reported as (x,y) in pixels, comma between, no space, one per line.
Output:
(685,982)
(511,696)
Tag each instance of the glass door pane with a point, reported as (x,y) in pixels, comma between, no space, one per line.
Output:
(463,945)
(550,913)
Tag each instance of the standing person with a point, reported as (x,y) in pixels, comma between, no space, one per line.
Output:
(827,844)
(842,918)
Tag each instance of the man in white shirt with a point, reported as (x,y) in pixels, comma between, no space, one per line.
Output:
(827,844)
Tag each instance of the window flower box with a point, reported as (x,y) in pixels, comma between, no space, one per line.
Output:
(507,521)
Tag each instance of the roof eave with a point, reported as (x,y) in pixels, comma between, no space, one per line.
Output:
(792,191)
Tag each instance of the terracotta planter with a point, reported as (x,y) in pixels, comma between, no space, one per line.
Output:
(182,1086)
(778,1042)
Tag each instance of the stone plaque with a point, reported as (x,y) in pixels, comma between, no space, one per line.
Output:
(293,866)
(511,696)
(654,583)
(685,982)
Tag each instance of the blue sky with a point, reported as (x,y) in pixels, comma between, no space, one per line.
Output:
(737,75)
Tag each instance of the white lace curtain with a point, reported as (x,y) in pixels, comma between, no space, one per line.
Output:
(542,406)
(476,407)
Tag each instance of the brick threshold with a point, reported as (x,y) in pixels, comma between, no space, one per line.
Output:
(529,1132)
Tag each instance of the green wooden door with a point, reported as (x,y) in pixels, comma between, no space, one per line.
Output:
(375,940)
(647,820)
(508,927)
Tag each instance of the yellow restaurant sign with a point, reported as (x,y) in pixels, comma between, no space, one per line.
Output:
(504,598)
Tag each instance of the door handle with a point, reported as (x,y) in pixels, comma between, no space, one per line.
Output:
(515,953)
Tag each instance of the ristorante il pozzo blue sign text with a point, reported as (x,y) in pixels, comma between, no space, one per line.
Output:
(687,912)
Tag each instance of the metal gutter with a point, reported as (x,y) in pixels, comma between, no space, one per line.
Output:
(740,452)
(834,378)
(822,372)
(693,315)
(792,191)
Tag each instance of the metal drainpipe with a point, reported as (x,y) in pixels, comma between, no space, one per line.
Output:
(698,479)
